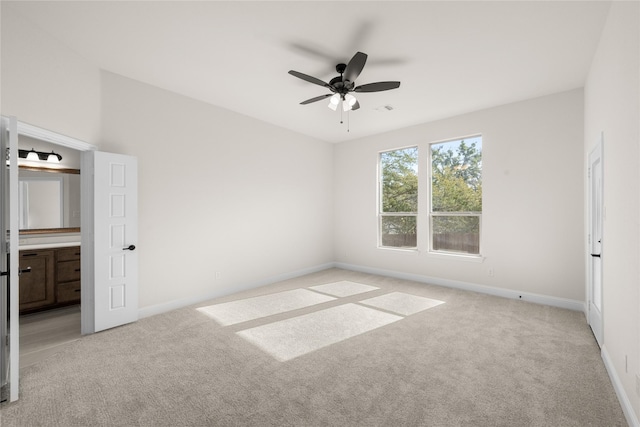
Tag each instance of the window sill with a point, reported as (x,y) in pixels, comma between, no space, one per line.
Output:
(456,257)
(390,248)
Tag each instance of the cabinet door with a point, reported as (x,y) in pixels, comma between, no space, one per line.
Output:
(36,286)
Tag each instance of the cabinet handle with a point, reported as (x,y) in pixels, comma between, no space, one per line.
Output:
(32,254)
(77,269)
(77,290)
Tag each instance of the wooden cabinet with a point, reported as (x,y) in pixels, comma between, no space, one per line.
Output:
(54,279)
(68,275)
(37,286)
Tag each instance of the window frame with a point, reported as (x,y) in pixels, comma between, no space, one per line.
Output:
(381,214)
(431,213)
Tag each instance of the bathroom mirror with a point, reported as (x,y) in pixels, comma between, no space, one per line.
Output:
(49,200)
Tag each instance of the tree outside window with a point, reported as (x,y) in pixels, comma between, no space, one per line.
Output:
(456,195)
(399,198)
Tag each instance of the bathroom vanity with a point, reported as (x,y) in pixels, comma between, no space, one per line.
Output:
(50,277)
(49,213)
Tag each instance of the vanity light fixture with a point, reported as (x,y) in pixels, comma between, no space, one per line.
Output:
(39,155)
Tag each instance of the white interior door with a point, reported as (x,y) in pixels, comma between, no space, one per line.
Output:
(9,323)
(595,241)
(112,267)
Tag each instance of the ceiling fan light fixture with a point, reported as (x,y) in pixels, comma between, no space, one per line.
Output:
(334,101)
(349,102)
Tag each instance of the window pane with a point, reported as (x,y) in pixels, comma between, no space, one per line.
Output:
(456,176)
(399,231)
(456,234)
(400,180)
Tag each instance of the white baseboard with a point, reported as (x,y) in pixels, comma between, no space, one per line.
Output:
(500,292)
(505,293)
(184,302)
(629,414)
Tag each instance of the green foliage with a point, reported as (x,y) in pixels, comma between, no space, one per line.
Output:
(399,194)
(456,183)
(456,187)
(400,180)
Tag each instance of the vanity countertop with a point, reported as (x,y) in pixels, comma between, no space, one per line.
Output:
(31,246)
(26,243)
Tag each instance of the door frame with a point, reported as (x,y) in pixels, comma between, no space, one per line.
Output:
(86,282)
(596,322)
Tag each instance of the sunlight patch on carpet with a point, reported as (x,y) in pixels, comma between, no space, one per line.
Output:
(401,303)
(230,313)
(343,288)
(291,338)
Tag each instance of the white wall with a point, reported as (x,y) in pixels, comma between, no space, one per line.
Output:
(46,84)
(612,106)
(532,198)
(218,192)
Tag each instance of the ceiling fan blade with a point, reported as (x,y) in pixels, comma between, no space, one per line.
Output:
(354,67)
(377,87)
(316,99)
(308,78)
(355,106)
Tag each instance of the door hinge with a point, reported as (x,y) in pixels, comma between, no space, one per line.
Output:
(588,172)
(6,340)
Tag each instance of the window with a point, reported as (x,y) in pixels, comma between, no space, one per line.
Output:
(456,196)
(398,200)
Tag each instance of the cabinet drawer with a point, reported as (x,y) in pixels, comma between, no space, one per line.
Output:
(67,271)
(68,254)
(67,292)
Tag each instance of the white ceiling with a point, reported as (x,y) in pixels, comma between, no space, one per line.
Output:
(451,57)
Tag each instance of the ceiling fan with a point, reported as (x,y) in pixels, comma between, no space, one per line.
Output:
(342,85)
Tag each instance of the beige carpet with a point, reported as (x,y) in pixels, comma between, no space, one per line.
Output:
(291,338)
(343,288)
(475,360)
(243,310)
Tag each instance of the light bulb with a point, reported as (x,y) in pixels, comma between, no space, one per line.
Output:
(334,101)
(349,102)
(33,155)
(53,158)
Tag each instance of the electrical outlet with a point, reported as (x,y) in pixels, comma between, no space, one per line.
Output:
(491,272)
(218,275)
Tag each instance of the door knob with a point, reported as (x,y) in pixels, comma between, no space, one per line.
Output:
(130,248)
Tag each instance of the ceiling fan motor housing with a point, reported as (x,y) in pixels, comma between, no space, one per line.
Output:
(338,85)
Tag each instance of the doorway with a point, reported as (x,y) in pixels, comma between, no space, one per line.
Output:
(49,201)
(596,218)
